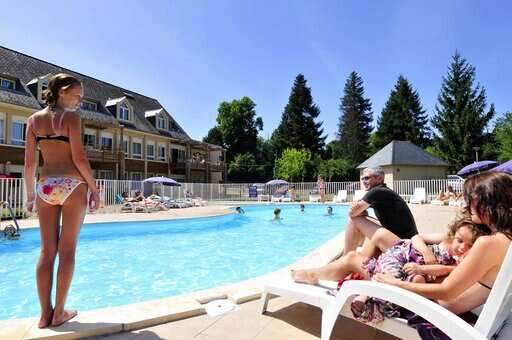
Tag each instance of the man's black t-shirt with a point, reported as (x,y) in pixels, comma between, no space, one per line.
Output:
(392,211)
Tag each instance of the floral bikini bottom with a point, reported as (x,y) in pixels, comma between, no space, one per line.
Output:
(55,190)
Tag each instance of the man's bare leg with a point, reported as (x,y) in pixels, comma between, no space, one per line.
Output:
(358,228)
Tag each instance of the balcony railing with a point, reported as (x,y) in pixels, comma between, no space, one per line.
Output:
(104,155)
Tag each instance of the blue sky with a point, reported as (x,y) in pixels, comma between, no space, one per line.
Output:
(192,55)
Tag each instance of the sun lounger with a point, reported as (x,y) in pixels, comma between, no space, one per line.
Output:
(419,196)
(358,194)
(494,313)
(456,203)
(340,197)
(438,202)
(314,197)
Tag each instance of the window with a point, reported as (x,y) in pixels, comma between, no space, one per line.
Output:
(126,148)
(18,133)
(87,105)
(89,140)
(150,151)
(106,143)
(161,153)
(160,122)
(124,112)
(136,176)
(137,150)
(177,155)
(105,174)
(7,84)
(2,129)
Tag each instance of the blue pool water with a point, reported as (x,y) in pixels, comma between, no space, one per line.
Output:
(128,262)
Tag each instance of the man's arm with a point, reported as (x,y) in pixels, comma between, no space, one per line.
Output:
(358,209)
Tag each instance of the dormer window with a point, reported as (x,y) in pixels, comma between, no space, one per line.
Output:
(88,105)
(7,84)
(124,112)
(161,123)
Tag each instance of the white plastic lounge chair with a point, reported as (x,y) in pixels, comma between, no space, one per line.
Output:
(495,311)
(340,197)
(286,198)
(438,202)
(314,197)
(358,194)
(456,203)
(419,196)
(276,198)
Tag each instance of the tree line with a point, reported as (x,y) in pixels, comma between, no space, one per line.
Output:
(297,151)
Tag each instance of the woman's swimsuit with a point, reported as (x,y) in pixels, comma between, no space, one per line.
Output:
(55,190)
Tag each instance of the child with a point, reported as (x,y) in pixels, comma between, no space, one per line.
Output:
(421,259)
(329,211)
(239,210)
(277,214)
(302,207)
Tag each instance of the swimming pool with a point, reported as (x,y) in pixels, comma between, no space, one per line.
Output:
(128,262)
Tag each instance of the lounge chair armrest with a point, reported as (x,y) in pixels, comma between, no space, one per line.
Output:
(446,321)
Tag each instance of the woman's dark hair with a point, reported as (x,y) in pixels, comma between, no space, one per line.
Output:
(492,194)
(60,81)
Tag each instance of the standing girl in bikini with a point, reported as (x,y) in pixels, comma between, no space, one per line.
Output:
(61,190)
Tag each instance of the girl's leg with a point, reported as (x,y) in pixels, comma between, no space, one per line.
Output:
(73,213)
(49,217)
(336,270)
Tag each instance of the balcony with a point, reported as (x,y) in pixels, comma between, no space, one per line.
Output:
(216,166)
(194,164)
(103,155)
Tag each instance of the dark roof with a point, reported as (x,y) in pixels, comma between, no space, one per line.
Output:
(401,153)
(19,98)
(26,68)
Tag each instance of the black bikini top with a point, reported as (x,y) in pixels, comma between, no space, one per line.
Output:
(51,137)
(62,138)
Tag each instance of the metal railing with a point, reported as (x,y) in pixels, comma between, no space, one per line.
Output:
(13,191)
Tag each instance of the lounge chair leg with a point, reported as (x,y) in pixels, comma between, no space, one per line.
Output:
(264,302)
(328,321)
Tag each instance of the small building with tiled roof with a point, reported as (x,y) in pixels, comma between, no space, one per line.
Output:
(127,135)
(402,160)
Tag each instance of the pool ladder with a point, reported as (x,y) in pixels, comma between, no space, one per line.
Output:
(11,231)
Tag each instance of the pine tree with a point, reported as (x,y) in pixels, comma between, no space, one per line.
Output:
(460,114)
(354,125)
(298,128)
(403,117)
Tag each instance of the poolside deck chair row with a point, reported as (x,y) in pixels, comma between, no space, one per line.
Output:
(495,311)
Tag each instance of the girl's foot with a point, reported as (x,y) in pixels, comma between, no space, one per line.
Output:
(45,319)
(66,315)
(304,276)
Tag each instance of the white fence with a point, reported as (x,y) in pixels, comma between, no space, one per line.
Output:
(13,190)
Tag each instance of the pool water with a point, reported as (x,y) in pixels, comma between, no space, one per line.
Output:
(128,262)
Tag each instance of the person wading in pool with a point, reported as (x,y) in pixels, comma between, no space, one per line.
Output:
(61,190)
(391,210)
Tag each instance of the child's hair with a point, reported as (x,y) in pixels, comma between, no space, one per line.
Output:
(493,196)
(464,220)
(277,211)
(302,205)
(60,81)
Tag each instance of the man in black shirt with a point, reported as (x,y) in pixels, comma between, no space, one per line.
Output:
(391,210)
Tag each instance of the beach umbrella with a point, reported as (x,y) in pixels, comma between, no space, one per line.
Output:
(277,182)
(476,167)
(162,180)
(505,167)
